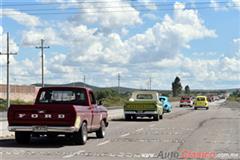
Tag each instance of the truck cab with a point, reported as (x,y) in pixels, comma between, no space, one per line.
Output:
(143,104)
(69,111)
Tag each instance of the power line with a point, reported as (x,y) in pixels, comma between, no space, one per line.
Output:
(100,7)
(139,4)
(132,10)
(8,4)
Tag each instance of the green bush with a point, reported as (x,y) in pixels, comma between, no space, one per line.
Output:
(114,101)
(235,96)
(3,103)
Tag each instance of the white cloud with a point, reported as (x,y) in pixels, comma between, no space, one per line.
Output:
(217,6)
(149,4)
(33,37)
(13,47)
(236,3)
(167,38)
(108,15)
(21,17)
(219,69)
(224,6)
(236,41)
(150,16)
(100,55)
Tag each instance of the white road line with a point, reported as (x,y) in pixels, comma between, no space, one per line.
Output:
(73,154)
(105,142)
(124,135)
(152,125)
(140,129)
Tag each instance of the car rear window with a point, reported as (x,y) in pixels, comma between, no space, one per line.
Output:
(77,97)
(144,96)
(185,98)
(201,99)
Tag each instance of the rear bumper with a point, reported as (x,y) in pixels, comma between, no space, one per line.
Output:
(201,106)
(185,104)
(48,129)
(146,113)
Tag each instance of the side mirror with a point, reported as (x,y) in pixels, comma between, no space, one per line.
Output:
(100,102)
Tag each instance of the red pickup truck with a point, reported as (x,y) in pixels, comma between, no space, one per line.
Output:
(69,111)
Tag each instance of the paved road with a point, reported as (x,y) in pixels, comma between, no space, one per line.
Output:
(184,132)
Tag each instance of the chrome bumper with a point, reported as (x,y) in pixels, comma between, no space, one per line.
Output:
(140,113)
(48,129)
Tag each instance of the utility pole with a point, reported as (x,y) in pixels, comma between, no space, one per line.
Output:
(8,70)
(42,47)
(119,78)
(150,83)
(84,80)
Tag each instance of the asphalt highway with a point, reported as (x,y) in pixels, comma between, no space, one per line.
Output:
(183,133)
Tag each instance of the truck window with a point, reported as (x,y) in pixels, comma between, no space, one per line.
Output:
(92,98)
(77,97)
(201,99)
(144,96)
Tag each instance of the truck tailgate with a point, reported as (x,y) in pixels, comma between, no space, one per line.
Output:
(140,106)
(49,115)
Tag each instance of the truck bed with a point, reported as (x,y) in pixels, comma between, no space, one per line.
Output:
(40,114)
(140,106)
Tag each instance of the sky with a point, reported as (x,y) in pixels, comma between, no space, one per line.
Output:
(199,41)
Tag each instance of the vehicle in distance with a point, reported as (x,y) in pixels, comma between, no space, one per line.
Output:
(186,101)
(69,111)
(210,98)
(143,104)
(201,102)
(167,107)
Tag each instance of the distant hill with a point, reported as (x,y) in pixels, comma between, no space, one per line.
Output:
(76,84)
(81,84)
(126,89)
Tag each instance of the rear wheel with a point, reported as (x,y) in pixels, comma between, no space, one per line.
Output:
(22,137)
(156,117)
(195,108)
(134,118)
(127,117)
(207,108)
(81,136)
(101,132)
(161,116)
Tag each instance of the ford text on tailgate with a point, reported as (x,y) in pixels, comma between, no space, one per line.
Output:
(69,111)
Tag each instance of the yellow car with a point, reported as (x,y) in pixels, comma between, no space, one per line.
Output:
(201,102)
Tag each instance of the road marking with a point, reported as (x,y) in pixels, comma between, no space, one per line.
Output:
(105,142)
(124,135)
(152,125)
(73,154)
(140,129)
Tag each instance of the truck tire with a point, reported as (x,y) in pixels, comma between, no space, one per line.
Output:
(127,117)
(134,117)
(161,116)
(156,117)
(82,135)
(22,137)
(101,132)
